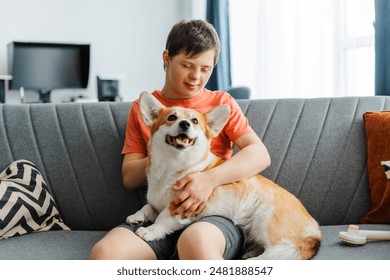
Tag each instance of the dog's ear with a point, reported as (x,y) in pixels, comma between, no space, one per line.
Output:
(150,107)
(217,118)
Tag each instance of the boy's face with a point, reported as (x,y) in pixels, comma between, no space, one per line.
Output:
(187,75)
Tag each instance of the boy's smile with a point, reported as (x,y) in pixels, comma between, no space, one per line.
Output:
(186,75)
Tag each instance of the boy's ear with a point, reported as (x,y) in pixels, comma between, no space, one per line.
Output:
(149,107)
(166,58)
(217,118)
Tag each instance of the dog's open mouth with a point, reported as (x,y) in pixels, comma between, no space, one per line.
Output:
(180,141)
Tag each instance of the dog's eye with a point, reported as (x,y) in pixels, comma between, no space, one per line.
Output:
(194,121)
(172,118)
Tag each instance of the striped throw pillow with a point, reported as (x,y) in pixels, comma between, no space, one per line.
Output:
(25,203)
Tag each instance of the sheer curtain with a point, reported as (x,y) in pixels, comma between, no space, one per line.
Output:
(285,48)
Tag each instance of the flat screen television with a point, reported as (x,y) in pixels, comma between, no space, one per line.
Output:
(44,67)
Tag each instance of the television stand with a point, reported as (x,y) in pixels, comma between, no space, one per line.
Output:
(44,95)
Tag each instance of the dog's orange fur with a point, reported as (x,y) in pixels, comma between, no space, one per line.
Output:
(278,227)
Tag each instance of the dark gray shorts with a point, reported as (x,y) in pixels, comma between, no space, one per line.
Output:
(165,249)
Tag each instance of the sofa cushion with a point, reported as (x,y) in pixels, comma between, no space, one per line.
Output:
(25,203)
(51,245)
(77,245)
(332,248)
(377,126)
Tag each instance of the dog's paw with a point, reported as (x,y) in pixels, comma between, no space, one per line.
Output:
(136,219)
(149,235)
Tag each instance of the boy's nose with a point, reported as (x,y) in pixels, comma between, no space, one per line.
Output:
(195,74)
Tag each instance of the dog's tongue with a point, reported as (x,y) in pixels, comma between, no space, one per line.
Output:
(182,140)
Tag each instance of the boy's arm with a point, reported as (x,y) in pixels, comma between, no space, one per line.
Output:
(134,170)
(252,158)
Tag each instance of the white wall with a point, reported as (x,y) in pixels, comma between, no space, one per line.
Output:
(127,37)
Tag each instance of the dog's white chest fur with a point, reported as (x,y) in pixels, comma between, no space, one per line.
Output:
(165,170)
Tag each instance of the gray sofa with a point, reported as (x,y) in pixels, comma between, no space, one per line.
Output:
(317,148)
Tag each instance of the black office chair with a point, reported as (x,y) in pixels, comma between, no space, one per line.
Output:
(240,92)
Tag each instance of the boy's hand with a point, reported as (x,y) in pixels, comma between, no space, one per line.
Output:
(196,189)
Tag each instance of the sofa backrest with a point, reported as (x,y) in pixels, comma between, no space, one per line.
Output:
(318,151)
(317,147)
(77,148)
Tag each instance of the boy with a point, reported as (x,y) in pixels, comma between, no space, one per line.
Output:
(192,51)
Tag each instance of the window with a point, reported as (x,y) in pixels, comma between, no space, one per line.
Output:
(356,47)
(303,48)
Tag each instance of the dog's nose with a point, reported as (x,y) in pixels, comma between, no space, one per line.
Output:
(184,125)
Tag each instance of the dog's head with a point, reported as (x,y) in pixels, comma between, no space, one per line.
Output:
(179,127)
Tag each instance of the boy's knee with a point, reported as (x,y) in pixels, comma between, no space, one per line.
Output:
(100,251)
(191,243)
(199,241)
(192,236)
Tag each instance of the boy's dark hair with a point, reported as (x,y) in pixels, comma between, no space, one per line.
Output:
(192,37)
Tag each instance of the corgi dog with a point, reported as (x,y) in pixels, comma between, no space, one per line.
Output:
(270,216)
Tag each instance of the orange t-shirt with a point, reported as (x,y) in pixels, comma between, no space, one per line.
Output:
(138,134)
